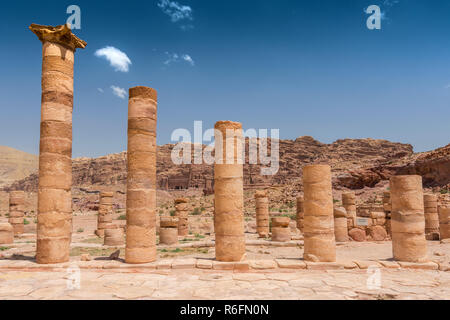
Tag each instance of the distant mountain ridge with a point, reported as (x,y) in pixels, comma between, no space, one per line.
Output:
(16,165)
(348,157)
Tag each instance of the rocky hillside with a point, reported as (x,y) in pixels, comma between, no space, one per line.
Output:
(347,157)
(16,165)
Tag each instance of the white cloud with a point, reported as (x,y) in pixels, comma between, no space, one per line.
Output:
(100,90)
(171,58)
(447,86)
(188,59)
(174,58)
(119,92)
(118,59)
(175,11)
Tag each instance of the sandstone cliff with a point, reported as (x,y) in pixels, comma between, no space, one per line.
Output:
(347,157)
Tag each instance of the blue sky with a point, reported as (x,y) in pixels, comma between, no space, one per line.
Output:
(305,67)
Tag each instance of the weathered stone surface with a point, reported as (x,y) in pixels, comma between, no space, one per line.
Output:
(408,221)
(6,233)
(141,179)
(54,230)
(228,193)
(378,233)
(60,34)
(318,220)
(357,235)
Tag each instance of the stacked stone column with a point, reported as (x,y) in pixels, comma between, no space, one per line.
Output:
(349,203)
(262,214)
(105,211)
(300,213)
(430,202)
(6,233)
(182,213)
(387,206)
(114,236)
(54,227)
(16,211)
(340,225)
(229,192)
(319,239)
(280,229)
(168,231)
(141,180)
(444,222)
(408,221)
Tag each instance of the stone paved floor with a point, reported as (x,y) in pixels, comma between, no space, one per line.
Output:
(197,284)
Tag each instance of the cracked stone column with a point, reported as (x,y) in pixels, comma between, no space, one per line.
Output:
(349,203)
(229,192)
(340,225)
(16,211)
(54,226)
(444,222)
(430,202)
(281,232)
(300,213)
(407,219)
(319,240)
(168,233)
(105,211)
(182,213)
(262,213)
(141,181)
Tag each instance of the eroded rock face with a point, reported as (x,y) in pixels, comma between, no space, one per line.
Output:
(356,163)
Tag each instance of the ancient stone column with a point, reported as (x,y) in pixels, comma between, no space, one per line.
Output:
(168,231)
(114,236)
(319,240)
(54,227)
(407,219)
(430,202)
(229,193)
(16,211)
(105,211)
(6,233)
(262,214)
(444,222)
(281,231)
(349,203)
(182,213)
(340,225)
(300,213)
(141,181)
(387,206)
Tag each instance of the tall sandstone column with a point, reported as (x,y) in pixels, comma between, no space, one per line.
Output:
(430,202)
(229,193)
(16,211)
(54,227)
(300,213)
(407,219)
(181,211)
(262,213)
(319,239)
(141,181)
